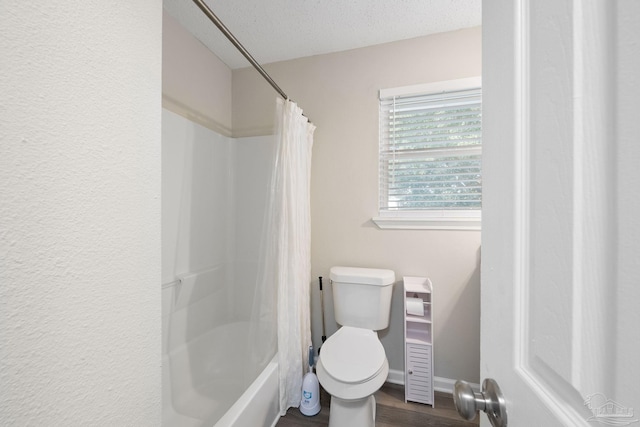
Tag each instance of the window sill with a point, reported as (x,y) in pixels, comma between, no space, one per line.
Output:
(439,223)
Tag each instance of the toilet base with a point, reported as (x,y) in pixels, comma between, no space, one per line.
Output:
(352,413)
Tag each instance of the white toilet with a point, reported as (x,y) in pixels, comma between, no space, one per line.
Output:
(352,363)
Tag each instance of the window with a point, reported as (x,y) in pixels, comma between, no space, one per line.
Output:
(430,156)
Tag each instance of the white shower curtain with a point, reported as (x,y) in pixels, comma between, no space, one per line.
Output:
(280,316)
(292,247)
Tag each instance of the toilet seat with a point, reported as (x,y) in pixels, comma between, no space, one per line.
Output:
(353,355)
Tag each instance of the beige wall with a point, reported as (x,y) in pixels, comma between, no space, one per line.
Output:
(195,83)
(339,93)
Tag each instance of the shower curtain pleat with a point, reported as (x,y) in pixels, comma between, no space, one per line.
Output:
(292,249)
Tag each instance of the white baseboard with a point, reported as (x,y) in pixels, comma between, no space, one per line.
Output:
(444,385)
(396,377)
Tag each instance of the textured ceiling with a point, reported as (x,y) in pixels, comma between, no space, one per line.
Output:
(277,30)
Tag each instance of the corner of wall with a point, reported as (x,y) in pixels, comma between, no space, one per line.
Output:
(195,83)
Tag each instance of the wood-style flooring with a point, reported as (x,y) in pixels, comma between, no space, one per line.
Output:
(392,411)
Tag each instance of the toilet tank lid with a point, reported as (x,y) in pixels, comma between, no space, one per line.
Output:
(368,276)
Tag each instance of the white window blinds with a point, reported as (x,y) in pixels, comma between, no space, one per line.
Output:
(430,151)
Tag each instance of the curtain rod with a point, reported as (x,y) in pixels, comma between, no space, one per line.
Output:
(202,5)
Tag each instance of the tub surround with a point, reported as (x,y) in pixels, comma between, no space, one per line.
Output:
(211,240)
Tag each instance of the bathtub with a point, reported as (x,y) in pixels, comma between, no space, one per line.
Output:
(207,380)
(259,404)
(200,389)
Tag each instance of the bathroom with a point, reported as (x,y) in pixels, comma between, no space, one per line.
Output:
(81,176)
(339,93)
(115,191)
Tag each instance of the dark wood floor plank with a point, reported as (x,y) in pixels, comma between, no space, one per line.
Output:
(392,411)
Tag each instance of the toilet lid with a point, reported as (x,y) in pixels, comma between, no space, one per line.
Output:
(352,355)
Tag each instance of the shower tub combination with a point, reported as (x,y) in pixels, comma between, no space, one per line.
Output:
(219,362)
(207,380)
(211,373)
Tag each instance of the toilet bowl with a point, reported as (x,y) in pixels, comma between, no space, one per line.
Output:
(353,365)
(351,368)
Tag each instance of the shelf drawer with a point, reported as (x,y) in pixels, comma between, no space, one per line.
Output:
(420,332)
(418,373)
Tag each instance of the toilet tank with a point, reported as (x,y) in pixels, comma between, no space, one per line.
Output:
(362,296)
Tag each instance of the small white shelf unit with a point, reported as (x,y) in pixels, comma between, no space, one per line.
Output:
(418,341)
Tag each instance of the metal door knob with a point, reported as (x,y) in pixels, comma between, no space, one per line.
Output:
(490,400)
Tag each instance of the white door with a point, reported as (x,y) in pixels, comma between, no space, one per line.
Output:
(561,235)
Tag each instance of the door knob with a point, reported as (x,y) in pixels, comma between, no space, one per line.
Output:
(490,400)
